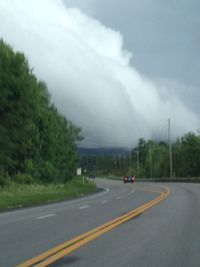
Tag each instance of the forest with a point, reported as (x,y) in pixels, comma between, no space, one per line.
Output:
(150,159)
(37,143)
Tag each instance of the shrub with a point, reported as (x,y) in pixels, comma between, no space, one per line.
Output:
(4,179)
(47,173)
(23,178)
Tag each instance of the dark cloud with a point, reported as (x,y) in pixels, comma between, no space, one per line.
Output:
(89,74)
(162,35)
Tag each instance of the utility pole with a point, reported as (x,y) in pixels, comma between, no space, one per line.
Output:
(150,161)
(119,161)
(129,161)
(170,148)
(138,164)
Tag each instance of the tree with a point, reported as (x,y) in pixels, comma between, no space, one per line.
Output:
(35,138)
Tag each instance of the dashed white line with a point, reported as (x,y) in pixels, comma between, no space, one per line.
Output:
(45,216)
(83,207)
(122,196)
(104,201)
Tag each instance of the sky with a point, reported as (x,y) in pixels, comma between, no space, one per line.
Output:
(118,69)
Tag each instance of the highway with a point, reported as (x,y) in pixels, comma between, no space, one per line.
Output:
(141,224)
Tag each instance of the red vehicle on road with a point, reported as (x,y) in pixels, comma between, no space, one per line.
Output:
(129,179)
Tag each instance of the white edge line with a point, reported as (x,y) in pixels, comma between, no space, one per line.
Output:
(106,191)
(104,201)
(45,216)
(83,207)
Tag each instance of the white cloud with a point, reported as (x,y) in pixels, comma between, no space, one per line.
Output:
(89,75)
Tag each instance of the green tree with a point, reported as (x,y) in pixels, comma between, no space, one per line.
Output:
(35,139)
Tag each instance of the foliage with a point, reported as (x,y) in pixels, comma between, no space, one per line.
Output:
(23,178)
(37,144)
(150,159)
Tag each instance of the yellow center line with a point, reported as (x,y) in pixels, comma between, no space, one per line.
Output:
(52,255)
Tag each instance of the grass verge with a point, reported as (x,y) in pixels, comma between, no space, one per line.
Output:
(16,195)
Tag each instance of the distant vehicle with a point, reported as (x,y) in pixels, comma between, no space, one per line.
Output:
(129,179)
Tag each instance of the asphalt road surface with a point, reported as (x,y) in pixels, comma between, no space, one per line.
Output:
(165,234)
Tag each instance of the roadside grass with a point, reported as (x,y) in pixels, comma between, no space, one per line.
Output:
(16,195)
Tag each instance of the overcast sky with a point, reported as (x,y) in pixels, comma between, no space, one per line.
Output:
(119,69)
(163,36)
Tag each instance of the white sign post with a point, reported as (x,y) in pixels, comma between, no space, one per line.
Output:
(79,172)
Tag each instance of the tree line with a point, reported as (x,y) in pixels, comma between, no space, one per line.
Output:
(150,159)
(37,143)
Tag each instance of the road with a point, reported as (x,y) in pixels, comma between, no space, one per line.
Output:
(165,234)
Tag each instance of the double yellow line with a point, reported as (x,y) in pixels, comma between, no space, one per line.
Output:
(61,250)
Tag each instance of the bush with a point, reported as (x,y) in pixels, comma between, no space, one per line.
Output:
(29,167)
(47,173)
(23,178)
(4,179)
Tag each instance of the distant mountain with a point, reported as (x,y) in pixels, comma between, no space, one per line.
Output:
(103,150)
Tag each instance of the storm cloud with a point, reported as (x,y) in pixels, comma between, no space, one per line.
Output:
(89,75)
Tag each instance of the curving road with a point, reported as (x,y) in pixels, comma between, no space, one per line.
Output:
(166,234)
